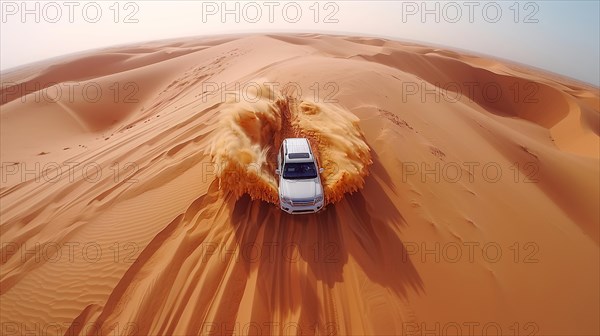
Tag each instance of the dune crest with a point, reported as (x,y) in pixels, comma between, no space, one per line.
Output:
(250,133)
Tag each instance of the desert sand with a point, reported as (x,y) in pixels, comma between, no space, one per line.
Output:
(139,198)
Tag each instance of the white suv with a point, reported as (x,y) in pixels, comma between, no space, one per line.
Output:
(300,189)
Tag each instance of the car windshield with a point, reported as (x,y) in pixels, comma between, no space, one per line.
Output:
(299,170)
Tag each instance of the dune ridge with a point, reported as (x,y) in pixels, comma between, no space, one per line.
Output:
(159,215)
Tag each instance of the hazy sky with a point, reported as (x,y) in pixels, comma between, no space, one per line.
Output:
(561,36)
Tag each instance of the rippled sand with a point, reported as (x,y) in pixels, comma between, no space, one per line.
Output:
(461,190)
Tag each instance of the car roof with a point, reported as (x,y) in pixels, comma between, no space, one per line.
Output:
(297,145)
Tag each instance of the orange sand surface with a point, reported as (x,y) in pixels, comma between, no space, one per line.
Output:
(138,192)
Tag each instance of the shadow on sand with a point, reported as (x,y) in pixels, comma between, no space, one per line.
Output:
(302,257)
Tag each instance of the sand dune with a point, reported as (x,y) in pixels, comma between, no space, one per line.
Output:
(462,192)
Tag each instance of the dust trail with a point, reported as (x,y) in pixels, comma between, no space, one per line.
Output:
(244,148)
(244,138)
(340,146)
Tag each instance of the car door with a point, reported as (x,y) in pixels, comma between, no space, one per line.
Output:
(279,157)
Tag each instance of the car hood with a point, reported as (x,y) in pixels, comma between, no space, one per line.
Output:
(300,189)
